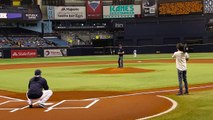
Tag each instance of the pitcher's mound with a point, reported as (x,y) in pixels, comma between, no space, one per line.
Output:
(120,70)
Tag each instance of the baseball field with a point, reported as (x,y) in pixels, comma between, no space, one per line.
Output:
(92,87)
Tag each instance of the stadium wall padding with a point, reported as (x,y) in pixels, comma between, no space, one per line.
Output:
(82,51)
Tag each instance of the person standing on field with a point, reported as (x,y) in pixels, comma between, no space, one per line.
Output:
(181,64)
(135,53)
(36,92)
(120,56)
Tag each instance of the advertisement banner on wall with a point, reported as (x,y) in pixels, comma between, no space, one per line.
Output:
(31,16)
(10,15)
(181,8)
(24,53)
(21,16)
(208,6)
(70,13)
(55,52)
(121,11)
(94,9)
(149,8)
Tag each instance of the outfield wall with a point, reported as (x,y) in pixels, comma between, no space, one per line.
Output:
(82,51)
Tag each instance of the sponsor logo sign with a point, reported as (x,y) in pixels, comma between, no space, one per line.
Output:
(10,15)
(121,11)
(23,53)
(94,9)
(70,13)
(149,8)
(55,52)
(181,8)
(32,16)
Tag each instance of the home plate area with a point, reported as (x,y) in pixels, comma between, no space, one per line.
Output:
(13,105)
(10,105)
(73,104)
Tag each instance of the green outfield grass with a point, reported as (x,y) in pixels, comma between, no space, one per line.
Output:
(197,106)
(99,58)
(72,78)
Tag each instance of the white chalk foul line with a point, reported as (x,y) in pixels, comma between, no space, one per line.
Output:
(153,92)
(97,99)
(4,102)
(13,109)
(91,104)
(174,105)
(16,109)
(94,100)
(7,108)
(11,98)
(64,108)
(48,103)
(90,99)
(50,108)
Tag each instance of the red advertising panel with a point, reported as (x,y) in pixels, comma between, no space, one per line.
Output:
(23,53)
(94,9)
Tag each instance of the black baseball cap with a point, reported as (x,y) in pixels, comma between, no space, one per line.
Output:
(37,72)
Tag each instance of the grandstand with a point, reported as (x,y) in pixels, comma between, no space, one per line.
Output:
(149,26)
(57,42)
(18,37)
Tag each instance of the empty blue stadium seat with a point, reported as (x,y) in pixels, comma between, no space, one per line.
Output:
(57,41)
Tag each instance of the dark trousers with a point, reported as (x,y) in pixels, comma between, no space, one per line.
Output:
(120,62)
(182,77)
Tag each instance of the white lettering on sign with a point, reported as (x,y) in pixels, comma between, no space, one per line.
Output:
(3,15)
(32,16)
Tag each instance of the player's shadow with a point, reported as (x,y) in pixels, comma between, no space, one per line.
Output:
(39,107)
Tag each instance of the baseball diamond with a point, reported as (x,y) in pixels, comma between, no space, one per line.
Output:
(140,103)
(106,59)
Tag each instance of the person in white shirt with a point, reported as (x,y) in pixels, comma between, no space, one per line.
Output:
(181,64)
(135,53)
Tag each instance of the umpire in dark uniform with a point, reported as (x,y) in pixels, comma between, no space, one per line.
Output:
(38,90)
(120,56)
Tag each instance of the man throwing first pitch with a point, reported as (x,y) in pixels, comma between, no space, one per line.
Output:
(120,56)
(36,92)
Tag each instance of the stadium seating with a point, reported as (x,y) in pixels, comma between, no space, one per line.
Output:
(58,42)
(18,37)
(4,42)
(78,38)
(30,42)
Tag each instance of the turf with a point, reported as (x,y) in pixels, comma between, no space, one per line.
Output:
(99,58)
(196,106)
(73,78)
